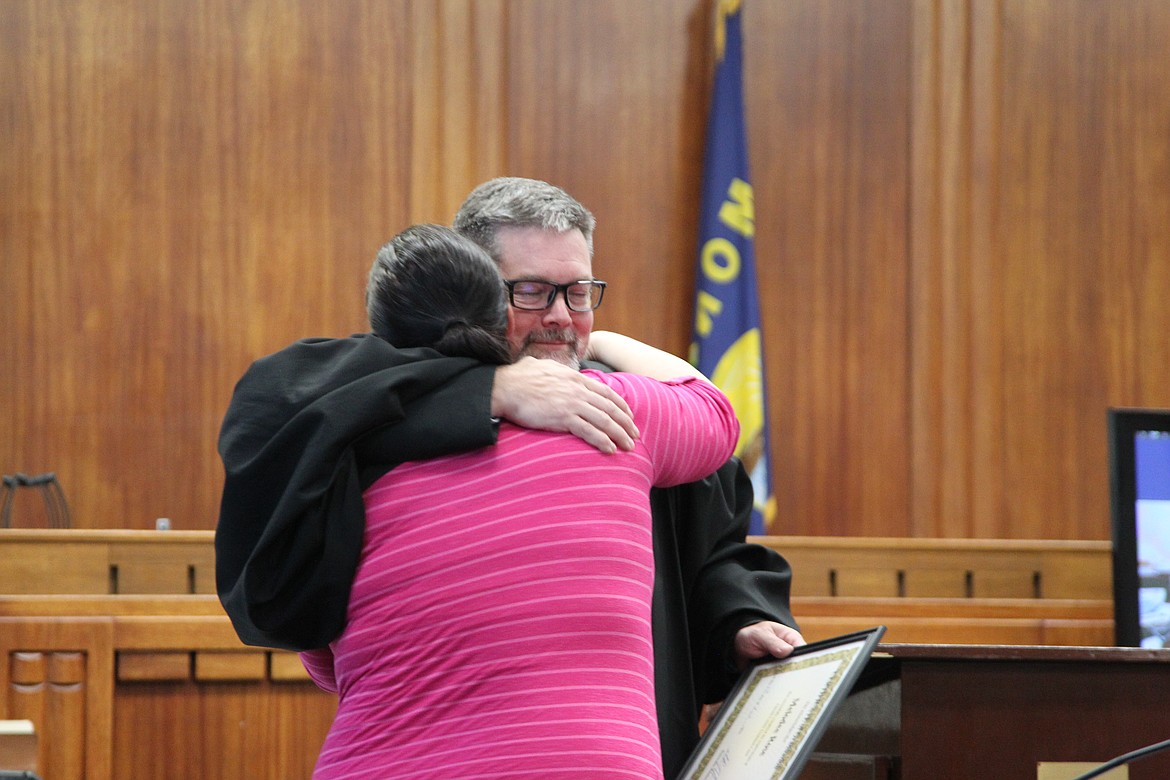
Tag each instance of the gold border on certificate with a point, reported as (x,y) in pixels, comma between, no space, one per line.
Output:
(771,721)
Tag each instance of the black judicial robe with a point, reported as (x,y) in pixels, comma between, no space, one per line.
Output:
(307,430)
(708,584)
(310,427)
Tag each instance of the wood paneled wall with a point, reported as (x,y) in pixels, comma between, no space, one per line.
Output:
(963,224)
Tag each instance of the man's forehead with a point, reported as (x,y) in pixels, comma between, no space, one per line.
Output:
(539,253)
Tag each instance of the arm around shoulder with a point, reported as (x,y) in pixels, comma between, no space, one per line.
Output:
(635,357)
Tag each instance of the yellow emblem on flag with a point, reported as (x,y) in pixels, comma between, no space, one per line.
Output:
(739,375)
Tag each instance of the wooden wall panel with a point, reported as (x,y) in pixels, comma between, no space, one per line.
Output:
(1040,245)
(187,188)
(611,105)
(458,103)
(246,730)
(963,214)
(1085,161)
(956,265)
(827,93)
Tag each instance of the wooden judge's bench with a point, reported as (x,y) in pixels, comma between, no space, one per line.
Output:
(114,645)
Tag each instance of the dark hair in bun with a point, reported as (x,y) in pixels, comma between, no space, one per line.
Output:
(431,287)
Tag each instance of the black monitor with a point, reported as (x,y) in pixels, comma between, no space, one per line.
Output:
(1139,481)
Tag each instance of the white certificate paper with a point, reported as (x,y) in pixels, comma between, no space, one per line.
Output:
(770,722)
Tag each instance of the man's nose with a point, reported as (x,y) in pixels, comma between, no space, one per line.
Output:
(559,312)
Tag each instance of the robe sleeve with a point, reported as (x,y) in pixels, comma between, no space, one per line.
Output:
(304,428)
(732,583)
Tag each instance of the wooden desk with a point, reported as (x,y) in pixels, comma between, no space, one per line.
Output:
(945,711)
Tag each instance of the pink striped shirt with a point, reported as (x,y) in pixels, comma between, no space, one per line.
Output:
(499,622)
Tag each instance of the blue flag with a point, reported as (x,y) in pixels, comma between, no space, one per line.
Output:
(726,344)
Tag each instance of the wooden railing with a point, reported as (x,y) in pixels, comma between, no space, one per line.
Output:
(114,645)
(946,568)
(129,562)
(154,686)
(952,591)
(106,562)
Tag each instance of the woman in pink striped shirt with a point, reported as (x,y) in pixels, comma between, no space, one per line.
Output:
(499,621)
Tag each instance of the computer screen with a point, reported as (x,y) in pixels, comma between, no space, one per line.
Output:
(1139,466)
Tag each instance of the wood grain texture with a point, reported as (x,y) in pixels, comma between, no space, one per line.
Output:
(158,685)
(830,138)
(271,731)
(110,697)
(55,673)
(963,224)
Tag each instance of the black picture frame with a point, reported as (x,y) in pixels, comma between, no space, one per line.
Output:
(718,754)
(1124,425)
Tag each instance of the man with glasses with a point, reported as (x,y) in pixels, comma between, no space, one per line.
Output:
(311,426)
(718,602)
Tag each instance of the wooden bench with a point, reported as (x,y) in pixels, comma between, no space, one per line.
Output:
(952,591)
(121,686)
(1037,585)
(129,561)
(106,562)
(114,645)
(961,621)
(946,568)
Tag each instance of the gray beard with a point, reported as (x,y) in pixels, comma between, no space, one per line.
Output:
(568,355)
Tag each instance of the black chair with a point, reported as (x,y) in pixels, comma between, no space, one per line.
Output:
(56,508)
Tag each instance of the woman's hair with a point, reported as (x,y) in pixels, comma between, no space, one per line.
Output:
(431,287)
(514,202)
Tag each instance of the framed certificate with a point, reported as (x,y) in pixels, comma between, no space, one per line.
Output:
(774,716)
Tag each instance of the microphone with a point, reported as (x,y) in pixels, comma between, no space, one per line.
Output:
(1133,755)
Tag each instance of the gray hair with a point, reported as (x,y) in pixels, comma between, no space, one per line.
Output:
(516,202)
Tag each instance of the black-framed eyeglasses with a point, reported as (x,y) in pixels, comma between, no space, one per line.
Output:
(538,295)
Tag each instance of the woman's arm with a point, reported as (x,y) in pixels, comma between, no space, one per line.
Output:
(623,353)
